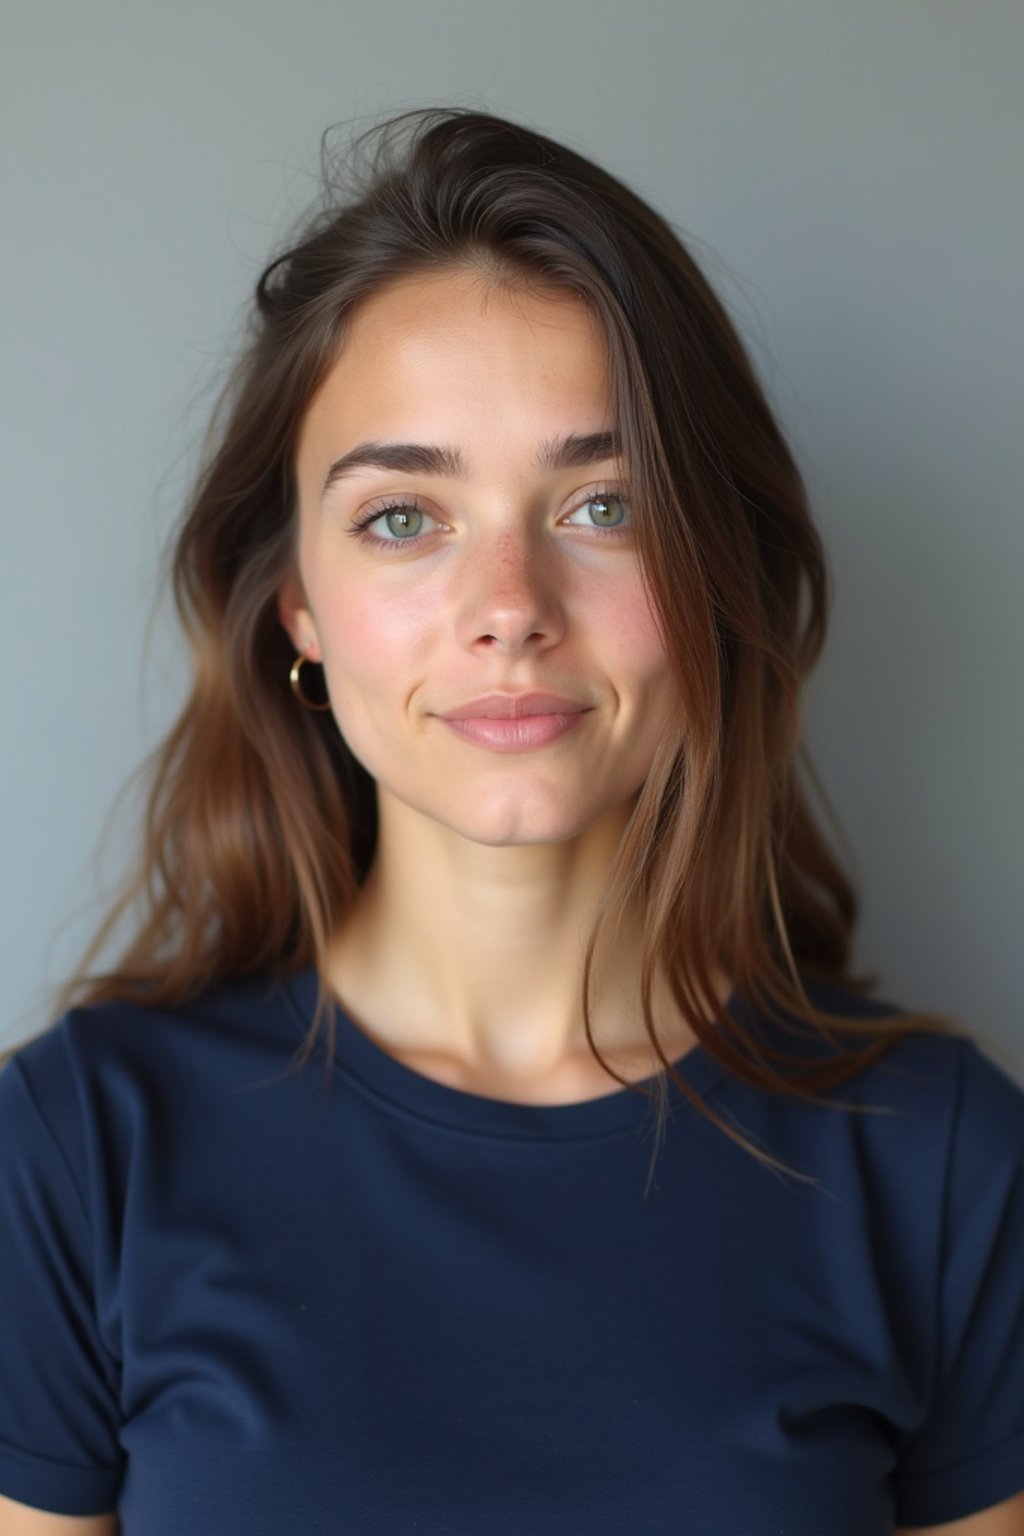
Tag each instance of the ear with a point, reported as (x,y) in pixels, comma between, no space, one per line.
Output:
(295,615)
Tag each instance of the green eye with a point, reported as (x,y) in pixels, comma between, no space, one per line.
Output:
(608,511)
(402,520)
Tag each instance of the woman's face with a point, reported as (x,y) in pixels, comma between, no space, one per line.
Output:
(495,570)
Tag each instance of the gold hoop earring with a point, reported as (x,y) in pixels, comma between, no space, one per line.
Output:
(293,678)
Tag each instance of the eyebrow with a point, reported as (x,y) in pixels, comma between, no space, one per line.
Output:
(572,452)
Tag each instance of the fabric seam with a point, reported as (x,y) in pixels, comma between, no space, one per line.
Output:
(52,1138)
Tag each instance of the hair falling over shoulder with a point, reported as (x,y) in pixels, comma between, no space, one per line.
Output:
(260,824)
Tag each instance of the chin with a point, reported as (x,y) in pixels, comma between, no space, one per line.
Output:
(513,814)
(519,829)
(522,839)
(507,820)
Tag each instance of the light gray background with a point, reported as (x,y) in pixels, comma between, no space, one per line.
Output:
(850,173)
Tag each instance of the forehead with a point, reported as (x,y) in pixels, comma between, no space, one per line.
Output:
(454,302)
(454,356)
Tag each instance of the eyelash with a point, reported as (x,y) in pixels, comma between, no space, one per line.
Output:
(379,509)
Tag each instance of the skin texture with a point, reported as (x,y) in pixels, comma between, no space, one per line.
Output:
(465,952)
(22,1520)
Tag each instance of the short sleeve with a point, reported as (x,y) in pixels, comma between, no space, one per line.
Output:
(59,1399)
(968,1454)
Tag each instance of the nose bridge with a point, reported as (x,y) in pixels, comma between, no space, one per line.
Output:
(509,583)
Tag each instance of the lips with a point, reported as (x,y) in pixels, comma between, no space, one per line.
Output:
(506,706)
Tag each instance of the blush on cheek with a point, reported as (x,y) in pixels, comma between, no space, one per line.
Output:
(632,633)
(380,632)
(372,656)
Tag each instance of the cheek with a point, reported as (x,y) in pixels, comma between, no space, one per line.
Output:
(629,634)
(372,640)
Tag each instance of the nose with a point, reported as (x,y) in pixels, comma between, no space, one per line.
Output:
(510,594)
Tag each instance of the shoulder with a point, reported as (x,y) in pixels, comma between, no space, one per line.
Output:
(957,1073)
(237,1008)
(962,1071)
(933,1115)
(100,1066)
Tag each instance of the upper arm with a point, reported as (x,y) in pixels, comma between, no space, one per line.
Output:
(22,1520)
(1005,1519)
(964,1456)
(60,1453)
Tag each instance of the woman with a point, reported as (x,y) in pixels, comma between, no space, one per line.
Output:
(500,584)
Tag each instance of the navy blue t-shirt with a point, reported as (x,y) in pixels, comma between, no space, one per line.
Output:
(235,1299)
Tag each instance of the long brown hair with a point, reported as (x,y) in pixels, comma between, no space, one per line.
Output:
(260,824)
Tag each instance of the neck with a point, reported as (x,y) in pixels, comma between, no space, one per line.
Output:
(475,953)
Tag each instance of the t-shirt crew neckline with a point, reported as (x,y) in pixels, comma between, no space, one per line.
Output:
(360,1059)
